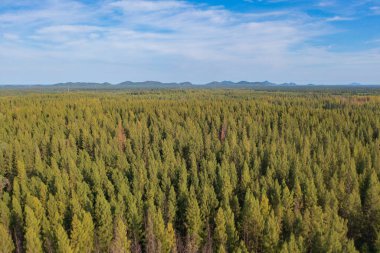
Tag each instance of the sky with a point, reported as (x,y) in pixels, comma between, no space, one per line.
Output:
(320,42)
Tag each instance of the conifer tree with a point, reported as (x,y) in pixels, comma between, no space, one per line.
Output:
(134,218)
(82,234)
(293,245)
(120,242)
(271,234)
(232,233)
(245,177)
(103,217)
(151,243)
(62,240)
(159,231)
(38,165)
(6,244)
(220,233)
(171,205)
(372,210)
(193,223)
(32,232)
(252,222)
(5,214)
(170,242)
(18,222)
(88,235)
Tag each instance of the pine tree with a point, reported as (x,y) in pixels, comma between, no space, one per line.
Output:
(82,234)
(170,242)
(232,233)
(292,246)
(88,235)
(120,242)
(6,244)
(220,233)
(193,223)
(17,221)
(150,236)
(159,231)
(32,232)
(252,222)
(38,165)
(171,205)
(62,240)
(76,232)
(5,214)
(245,177)
(372,210)
(271,234)
(36,206)
(310,194)
(103,217)
(134,218)
(287,203)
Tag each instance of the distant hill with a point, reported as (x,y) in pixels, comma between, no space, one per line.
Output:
(184,85)
(81,85)
(152,85)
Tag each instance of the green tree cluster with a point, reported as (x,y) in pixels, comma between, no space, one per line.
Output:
(190,171)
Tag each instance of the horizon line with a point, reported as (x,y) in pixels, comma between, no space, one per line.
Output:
(225,82)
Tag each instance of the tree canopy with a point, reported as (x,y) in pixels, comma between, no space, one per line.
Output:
(190,171)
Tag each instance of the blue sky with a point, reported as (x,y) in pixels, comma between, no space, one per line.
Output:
(325,41)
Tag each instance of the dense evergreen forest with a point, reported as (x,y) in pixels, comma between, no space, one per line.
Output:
(190,171)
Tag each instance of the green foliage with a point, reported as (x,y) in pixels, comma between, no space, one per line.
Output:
(62,240)
(120,242)
(252,222)
(82,233)
(103,217)
(193,222)
(220,233)
(6,245)
(32,232)
(190,171)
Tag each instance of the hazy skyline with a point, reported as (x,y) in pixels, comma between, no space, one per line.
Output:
(324,42)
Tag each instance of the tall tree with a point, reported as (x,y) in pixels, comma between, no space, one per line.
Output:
(103,217)
(220,233)
(6,245)
(82,234)
(371,208)
(193,223)
(120,242)
(32,232)
(62,240)
(252,222)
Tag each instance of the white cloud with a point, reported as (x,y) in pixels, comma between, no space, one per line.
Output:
(326,3)
(148,6)
(169,41)
(339,18)
(10,37)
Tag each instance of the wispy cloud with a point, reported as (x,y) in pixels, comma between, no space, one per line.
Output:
(375,10)
(339,18)
(326,3)
(168,40)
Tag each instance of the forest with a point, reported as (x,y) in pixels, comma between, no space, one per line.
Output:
(190,171)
